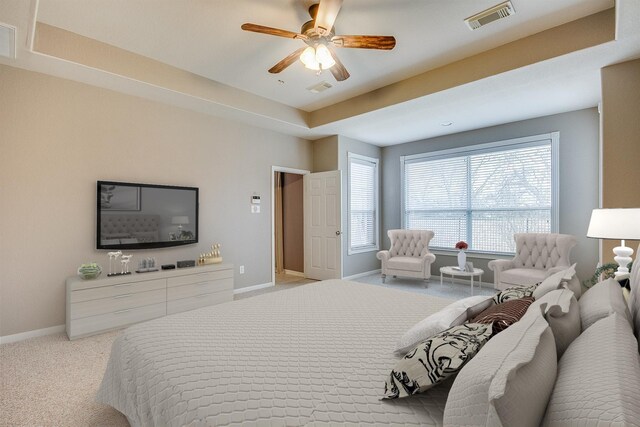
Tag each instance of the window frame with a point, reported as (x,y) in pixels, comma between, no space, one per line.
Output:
(359,158)
(551,138)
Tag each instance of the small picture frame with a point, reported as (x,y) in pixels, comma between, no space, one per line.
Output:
(468,267)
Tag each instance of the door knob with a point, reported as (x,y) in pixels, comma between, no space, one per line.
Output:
(338,233)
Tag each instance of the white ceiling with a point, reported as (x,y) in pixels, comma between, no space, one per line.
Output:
(204,37)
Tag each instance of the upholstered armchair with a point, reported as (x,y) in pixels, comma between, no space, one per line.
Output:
(538,255)
(408,255)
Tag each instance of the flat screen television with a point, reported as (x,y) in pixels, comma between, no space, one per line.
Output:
(145,216)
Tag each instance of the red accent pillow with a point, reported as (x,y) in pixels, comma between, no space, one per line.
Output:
(504,315)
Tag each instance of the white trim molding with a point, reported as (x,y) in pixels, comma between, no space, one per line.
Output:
(32,334)
(252,288)
(359,275)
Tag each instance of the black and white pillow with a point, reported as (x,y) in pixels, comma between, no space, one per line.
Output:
(514,292)
(436,359)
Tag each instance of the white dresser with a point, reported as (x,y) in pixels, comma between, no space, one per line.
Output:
(95,306)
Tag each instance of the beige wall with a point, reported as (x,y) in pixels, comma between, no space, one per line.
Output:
(58,137)
(325,154)
(293,219)
(620,142)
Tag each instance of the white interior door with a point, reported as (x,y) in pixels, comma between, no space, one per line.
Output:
(322,219)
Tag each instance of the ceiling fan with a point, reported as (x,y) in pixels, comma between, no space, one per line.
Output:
(319,35)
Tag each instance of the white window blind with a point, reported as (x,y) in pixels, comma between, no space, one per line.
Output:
(483,194)
(363,203)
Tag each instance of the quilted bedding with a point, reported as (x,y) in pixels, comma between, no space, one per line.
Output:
(311,355)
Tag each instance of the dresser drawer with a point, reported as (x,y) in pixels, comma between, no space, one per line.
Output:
(116,303)
(186,291)
(115,290)
(199,278)
(198,301)
(103,322)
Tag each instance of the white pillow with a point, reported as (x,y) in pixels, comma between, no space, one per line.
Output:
(601,300)
(509,381)
(598,378)
(554,281)
(561,310)
(452,315)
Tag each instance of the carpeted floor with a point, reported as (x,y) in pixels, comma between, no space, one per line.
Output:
(51,381)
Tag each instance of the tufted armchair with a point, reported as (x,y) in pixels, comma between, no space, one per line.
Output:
(538,255)
(408,255)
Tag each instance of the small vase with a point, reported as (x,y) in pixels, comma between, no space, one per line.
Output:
(462,260)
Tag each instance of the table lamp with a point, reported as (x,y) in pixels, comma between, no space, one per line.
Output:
(617,224)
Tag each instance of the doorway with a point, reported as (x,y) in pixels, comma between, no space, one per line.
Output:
(288,226)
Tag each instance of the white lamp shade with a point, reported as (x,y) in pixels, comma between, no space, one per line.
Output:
(618,224)
(180,220)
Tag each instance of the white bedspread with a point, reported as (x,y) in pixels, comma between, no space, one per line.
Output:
(311,355)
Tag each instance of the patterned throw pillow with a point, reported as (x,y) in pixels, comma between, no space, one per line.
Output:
(436,359)
(514,292)
(504,315)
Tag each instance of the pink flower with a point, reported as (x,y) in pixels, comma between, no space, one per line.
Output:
(461,245)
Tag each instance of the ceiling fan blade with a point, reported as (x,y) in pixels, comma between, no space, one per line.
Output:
(286,61)
(272,31)
(338,70)
(327,14)
(365,42)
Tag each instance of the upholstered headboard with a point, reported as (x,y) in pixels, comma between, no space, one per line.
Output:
(143,228)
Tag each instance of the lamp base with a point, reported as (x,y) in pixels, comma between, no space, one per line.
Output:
(623,258)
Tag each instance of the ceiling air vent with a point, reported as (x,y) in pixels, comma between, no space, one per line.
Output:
(7,41)
(494,13)
(320,87)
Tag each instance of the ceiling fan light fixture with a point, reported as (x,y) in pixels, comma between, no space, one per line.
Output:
(317,58)
(323,56)
(308,58)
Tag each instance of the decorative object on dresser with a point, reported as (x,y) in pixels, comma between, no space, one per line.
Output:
(538,255)
(213,257)
(89,271)
(104,304)
(617,224)
(147,265)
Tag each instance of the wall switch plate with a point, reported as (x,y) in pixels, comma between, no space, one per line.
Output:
(255,208)
(242,269)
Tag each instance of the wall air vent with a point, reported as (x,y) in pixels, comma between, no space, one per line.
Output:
(7,41)
(494,13)
(320,87)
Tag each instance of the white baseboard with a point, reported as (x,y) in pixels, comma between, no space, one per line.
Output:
(32,334)
(252,288)
(359,275)
(294,273)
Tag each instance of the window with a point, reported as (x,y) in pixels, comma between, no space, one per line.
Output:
(363,203)
(483,194)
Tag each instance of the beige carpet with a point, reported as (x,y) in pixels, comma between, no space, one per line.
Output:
(51,381)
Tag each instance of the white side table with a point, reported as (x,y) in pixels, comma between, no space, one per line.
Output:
(454,271)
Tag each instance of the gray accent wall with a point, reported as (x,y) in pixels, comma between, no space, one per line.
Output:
(579,178)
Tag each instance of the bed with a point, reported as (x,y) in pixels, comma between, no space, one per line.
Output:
(319,354)
(310,355)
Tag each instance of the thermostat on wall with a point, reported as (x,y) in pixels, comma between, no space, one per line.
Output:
(255,200)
